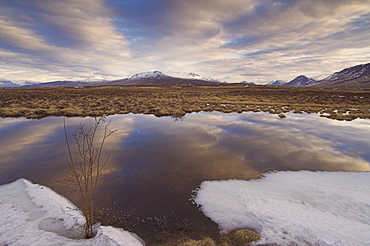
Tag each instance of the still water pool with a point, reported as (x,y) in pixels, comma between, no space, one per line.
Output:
(156,163)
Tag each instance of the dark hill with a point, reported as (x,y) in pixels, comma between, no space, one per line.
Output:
(357,77)
(301,81)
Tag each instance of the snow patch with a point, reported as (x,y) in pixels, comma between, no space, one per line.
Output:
(35,215)
(293,208)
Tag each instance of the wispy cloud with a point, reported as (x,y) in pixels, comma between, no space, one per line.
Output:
(253,40)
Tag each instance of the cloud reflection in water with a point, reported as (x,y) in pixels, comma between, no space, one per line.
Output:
(156,162)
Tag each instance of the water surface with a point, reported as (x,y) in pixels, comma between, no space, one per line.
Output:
(156,162)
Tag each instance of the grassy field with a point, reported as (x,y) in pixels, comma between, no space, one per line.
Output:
(177,101)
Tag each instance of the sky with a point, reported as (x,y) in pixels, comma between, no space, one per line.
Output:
(233,41)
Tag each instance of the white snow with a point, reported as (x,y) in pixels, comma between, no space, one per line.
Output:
(197,76)
(194,76)
(35,215)
(293,208)
(148,75)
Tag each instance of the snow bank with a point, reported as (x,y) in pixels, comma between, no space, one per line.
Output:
(32,214)
(293,208)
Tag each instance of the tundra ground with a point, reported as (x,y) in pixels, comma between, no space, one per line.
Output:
(177,101)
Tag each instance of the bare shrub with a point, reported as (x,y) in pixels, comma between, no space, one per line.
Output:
(85,165)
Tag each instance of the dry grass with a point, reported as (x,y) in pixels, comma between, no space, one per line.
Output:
(121,217)
(235,238)
(185,241)
(177,101)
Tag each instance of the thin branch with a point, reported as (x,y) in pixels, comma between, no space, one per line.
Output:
(89,170)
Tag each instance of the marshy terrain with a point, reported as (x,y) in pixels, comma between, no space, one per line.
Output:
(177,101)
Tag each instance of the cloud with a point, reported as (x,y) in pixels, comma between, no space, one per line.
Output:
(300,30)
(64,35)
(214,38)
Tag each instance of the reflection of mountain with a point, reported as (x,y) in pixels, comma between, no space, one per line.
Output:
(146,78)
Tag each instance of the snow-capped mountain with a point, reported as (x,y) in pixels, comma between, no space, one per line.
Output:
(277,82)
(197,76)
(301,81)
(213,80)
(350,73)
(28,83)
(148,75)
(356,77)
(7,84)
(351,78)
(320,77)
(194,76)
(145,78)
(95,78)
(157,77)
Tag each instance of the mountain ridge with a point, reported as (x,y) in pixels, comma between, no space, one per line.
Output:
(355,77)
(7,84)
(349,78)
(301,81)
(144,78)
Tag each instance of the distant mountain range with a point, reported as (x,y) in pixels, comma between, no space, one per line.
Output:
(356,77)
(157,77)
(145,78)
(7,84)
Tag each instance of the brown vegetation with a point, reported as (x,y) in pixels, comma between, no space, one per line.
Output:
(235,238)
(177,101)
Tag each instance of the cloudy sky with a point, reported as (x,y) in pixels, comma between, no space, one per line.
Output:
(234,40)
